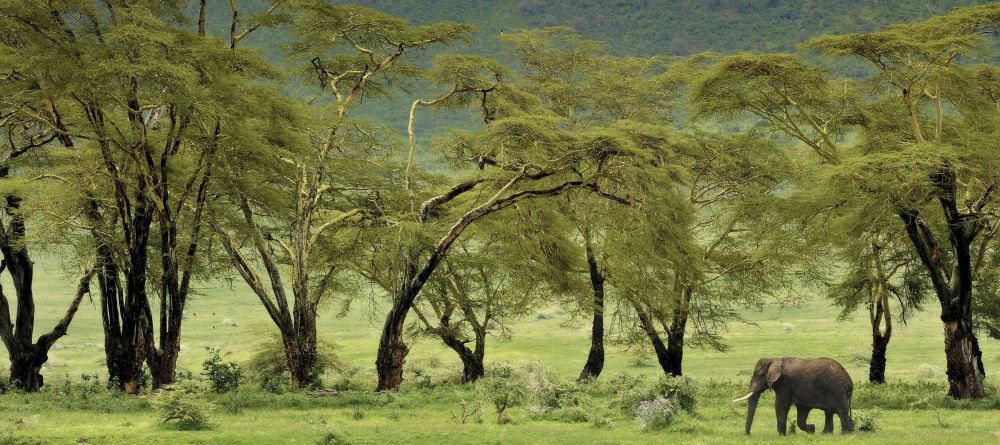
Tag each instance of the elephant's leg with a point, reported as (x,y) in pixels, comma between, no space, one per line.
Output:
(846,424)
(802,415)
(828,424)
(781,406)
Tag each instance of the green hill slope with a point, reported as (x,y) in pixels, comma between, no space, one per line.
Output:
(677,27)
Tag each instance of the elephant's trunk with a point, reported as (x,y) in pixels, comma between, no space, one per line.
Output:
(751,409)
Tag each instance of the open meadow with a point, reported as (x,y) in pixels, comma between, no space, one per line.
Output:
(428,407)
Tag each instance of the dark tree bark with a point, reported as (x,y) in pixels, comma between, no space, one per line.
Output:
(392,351)
(27,358)
(876,369)
(669,353)
(473,367)
(472,359)
(124,362)
(300,349)
(137,205)
(595,359)
(879,314)
(675,344)
(953,288)
(26,355)
(649,327)
(677,329)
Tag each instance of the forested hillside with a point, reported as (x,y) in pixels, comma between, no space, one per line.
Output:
(677,27)
(628,27)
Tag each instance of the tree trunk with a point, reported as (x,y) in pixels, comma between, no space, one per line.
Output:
(879,314)
(26,369)
(676,331)
(675,344)
(473,368)
(965,360)
(391,350)
(662,354)
(595,359)
(300,349)
(876,368)
(123,361)
(162,369)
(472,360)
(954,289)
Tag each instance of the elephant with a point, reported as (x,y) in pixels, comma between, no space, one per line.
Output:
(820,383)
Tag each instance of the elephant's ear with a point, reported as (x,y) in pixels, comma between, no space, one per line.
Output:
(773,372)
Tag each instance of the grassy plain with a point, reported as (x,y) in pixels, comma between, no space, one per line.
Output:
(914,410)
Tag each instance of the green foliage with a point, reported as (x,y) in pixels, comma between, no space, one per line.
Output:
(868,421)
(678,392)
(553,398)
(268,365)
(503,387)
(656,414)
(183,407)
(224,377)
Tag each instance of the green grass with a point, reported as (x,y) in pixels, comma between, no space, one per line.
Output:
(231,319)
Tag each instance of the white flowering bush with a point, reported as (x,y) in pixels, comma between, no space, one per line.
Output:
(657,414)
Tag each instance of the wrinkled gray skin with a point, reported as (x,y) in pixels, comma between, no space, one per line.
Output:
(808,384)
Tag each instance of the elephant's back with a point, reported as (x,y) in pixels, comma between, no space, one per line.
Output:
(834,376)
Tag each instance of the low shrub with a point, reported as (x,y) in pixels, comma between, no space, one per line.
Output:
(224,377)
(184,408)
(657,414)
(682,390)
(467,412)
(330,435)
(918,395)
(269,361)
(868,421)
(503,388)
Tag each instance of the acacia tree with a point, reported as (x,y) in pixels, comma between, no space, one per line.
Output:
(150,105)
(480,288)
(524,153)
(730,183)
(924,74)
(26,130)
(327,181)
(883,277)
(922,155)
(592,91)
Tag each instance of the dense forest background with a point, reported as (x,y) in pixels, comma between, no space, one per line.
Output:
(676,27)
(624,27)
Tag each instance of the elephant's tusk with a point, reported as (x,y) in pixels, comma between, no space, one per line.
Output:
(744,397)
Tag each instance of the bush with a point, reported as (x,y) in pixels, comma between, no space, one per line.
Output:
(868,421)
(352,378)
(682,390)
(552,398)
(277,384)
(224,377)
(269,361)
(546,390)
(184,407)
(503,388)
(467,413)
(657,414)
